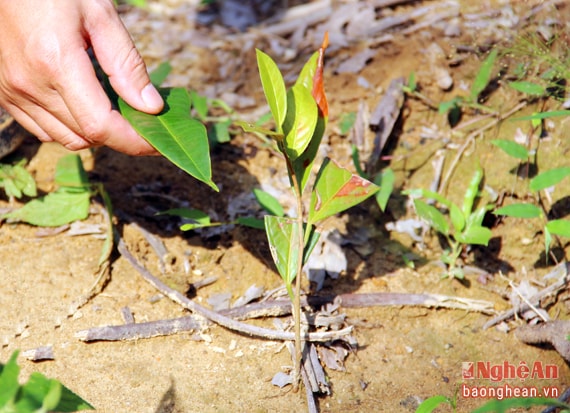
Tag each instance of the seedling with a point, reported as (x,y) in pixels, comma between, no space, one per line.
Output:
(542,181)
(300,116)
(466,222)
(38,395)
(17,181)
(454,107)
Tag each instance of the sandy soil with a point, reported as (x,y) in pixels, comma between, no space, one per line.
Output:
(405,354)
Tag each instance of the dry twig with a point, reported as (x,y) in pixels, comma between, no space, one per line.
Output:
(218,318)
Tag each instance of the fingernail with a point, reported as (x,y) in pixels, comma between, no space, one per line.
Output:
(151,98)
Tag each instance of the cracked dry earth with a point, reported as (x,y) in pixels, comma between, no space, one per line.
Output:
(405,353)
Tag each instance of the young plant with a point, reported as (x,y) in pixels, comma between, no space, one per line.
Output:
(68,203)
(464,226)
(38,395)
(300,116)
(542,181)
(454,107)
(17,181)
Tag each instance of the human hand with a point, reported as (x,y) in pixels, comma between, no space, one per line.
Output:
(47,80)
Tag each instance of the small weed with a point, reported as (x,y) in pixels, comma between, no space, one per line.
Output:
(542,181)
(466,222)
(38,395)
(17,181)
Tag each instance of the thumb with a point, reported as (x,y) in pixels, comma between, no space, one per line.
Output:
(120,59)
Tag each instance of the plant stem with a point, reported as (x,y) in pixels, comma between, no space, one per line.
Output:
(297,296)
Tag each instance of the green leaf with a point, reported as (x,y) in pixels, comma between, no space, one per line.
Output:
(520,211)
(273,87)
(559,227)
(53,210)
(199,218)
(346,122)
(199,103)
(301,120)
(159,75)
(193,214)
(69,173)
(429,405)
(544,115)
(9,380)
(547,242)
(181,139)
(528,88)
(39,392)
(432,215)
(303,165)
(336,189)
(385,180)
(220,132)
(457,218)
(514,149)
(283,237)
(476,218)
(505,405)
(356,162)
(472,192)
(268,202)
(548,178)
(251,222)
(308,72)
(412,84)
(475,235)
(16,180)
(445,107)
(425,193)
(483,76)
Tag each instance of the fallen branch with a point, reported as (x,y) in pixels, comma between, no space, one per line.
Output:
(535,299)
(275,308)
(135,331)
(218,318)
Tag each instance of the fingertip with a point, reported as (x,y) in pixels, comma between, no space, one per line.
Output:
(152,99)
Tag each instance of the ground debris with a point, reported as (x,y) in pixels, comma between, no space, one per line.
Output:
(554,332)
(41,353)
(136,331)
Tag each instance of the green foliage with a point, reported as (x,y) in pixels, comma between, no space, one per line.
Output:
(528,88)
(269,203)
(514,149)
(300,117)
(38,395)
(454,107)
(541,182)
(464,225)
(483,76)
(17,181)
(429,405)
(70,202)
(385,180)
(548,178)
(273,87)
(175,134)
(346,122)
